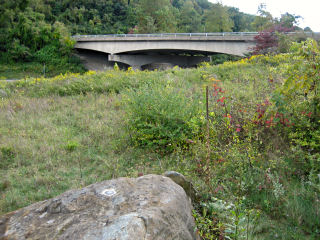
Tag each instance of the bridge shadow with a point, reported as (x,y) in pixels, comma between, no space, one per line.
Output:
(158,66)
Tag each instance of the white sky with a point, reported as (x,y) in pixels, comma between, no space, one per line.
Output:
(308,9)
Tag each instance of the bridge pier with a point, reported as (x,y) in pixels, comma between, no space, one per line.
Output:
(136,67)
(138,61)
(93,60)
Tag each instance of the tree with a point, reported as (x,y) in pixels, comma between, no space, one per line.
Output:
(190,20)
(307,29)
(241,20)
(264,20)
(26,35)
(156,16)
(204,4)
(267,41)
(273,38)
(217,19)
(289,20)
(62,38)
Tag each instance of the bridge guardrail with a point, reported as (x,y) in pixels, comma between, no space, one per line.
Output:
(169,35)
(310,34)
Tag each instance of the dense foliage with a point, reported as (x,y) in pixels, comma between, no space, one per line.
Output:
(25,34)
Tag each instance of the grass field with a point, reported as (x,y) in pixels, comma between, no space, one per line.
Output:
(73,130)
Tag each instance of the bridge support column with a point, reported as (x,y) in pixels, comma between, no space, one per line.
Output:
(96,61)
(137,61)
(135,67)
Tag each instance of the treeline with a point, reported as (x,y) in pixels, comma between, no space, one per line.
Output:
(40,30)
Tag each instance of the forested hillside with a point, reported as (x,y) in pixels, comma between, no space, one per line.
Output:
(40,30)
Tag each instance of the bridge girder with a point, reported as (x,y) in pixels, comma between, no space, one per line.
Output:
(227,47)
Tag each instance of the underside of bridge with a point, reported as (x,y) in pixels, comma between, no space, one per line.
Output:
(160,59)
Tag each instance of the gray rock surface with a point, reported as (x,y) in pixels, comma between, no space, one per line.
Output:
(179,179)
(150,207)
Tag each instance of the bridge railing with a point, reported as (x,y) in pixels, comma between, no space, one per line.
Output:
(168,35)
(175,35)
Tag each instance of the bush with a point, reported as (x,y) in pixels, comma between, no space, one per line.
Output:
(47,54)
(162,116)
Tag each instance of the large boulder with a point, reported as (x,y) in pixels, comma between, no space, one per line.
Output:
(150,207)
(187,185)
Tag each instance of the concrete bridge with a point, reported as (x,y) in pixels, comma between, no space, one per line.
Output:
(182,49)
(139,50)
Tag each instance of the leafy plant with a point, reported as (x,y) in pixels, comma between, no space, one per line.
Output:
(303,75)
(301,88)
(71,146)
(162,116)
(267,41)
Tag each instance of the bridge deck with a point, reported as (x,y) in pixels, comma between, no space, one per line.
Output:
(223,36)
(234,36)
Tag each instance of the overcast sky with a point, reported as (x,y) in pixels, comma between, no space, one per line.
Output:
(308,9)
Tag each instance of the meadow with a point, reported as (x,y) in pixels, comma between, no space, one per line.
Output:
(253,154)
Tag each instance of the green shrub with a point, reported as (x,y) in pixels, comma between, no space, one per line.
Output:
(162,116)
(48,54)
(71,146)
